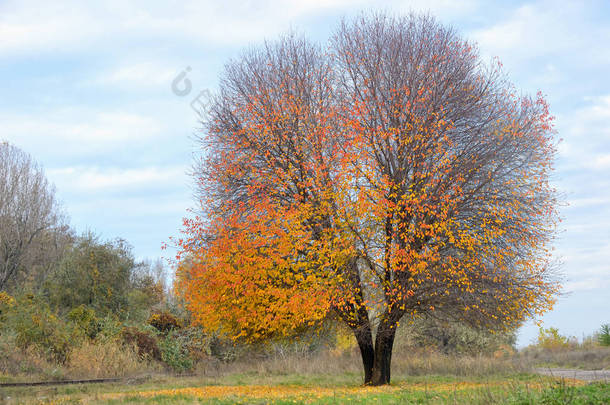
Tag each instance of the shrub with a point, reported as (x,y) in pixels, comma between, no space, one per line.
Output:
(145,344)
(6,304)
(604,335)
(35,325)
(551,339)
(164,322)
(196,343)
(110,329)
(85,321)
(455,338)
(175,353)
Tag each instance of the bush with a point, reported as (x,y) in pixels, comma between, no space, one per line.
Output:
(145,344)
(196,343)
(551,339)
(175,353)
(454,338)
(35,325)
(16,363)
(6,304)
(110,329)
(164,322)
(92,273)
(85,321)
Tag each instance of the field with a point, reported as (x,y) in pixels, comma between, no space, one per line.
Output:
(289,376)
(323,389)
(254,388)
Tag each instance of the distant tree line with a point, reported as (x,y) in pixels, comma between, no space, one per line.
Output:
(40,253)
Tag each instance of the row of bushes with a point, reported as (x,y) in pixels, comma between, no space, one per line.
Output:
(167,341)
(28,324)
(88,343)
(551,339)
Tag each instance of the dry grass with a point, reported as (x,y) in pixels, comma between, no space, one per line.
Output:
(404,363)
(586,358)
(106,359)
(25,365)
(89,360)
(112,359)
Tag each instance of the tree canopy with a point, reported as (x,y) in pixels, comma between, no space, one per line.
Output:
(391,174)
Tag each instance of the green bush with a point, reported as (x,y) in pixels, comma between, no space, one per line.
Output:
(85,321)
(604,335)
(110,329)
(92,273)
(175,353)
(35,325)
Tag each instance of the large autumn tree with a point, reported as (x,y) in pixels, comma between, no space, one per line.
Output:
(393,174)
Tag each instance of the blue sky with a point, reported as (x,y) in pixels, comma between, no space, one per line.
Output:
(86,90)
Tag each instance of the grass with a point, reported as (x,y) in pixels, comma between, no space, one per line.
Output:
(323,389)
(586,358)
(419,377)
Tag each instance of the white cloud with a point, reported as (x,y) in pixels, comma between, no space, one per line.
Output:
(78,128)
(569,35)
(601,162)
(588,202)
(35,26)
(110,179)
(137,39)
(532,30)
(587,284)
(586,135)
(28,26)
(138,74)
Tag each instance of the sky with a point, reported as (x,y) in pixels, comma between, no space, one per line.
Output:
(86,89)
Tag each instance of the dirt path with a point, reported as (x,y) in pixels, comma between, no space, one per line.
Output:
(585,375)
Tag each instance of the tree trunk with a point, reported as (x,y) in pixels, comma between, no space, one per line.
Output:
(384,342)
(365,343)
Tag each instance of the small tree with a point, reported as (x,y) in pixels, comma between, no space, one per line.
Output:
(30,220)
(604,335)
(551,339)
(392,175)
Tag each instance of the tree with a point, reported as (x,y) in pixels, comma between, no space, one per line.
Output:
(95,274)
(392,175)
(604,335)
(30,218)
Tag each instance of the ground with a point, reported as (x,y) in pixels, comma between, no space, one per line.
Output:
(322,389)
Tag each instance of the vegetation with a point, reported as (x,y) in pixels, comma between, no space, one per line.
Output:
(291,389)
(363,203)
(604,335)
(390,177)
(32,230)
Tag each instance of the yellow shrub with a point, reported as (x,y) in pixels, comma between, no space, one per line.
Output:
(551,339)
(6,300)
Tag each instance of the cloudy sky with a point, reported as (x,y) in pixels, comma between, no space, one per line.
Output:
(86,90)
